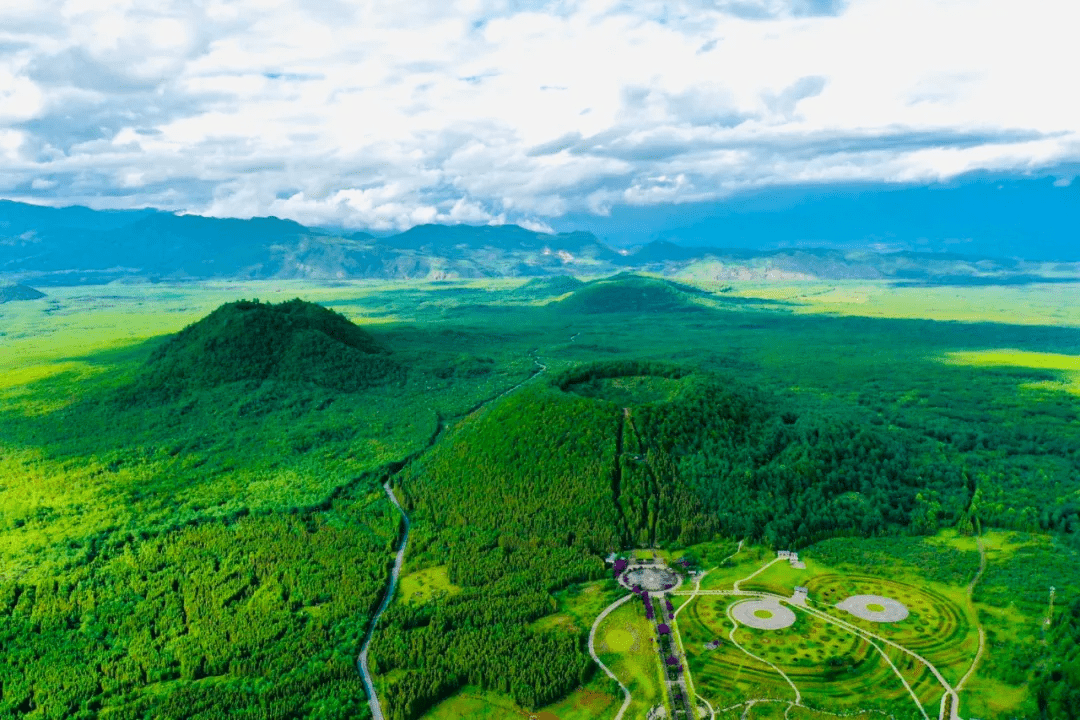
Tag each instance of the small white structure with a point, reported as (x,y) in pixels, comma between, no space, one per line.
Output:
(800,595)
(792,557)
(610,559)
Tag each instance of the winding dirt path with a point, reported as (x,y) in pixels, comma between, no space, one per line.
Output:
(697,585)
(982,633)
(754,574)
(731,637)
(870,637)
(592,651)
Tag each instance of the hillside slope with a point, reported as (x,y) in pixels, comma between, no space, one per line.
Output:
(295,341)
(627,292)
(523,497)
(17,292)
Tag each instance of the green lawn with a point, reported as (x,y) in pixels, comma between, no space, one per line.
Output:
(637,666)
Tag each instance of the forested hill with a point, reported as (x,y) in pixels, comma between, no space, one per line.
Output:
(627,292)
(11,293)
(526,495)
(295,342)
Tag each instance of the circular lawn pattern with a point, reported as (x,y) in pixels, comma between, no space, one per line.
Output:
(763,614)
(874,608)
(619,640)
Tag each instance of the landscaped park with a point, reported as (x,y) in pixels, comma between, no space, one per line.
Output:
(762,636)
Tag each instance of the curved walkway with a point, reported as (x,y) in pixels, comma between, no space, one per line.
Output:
(754,574)
(955,711)
(971,601)
(592,651)
(731,637)
(866,635)
(712,712)
(697,584)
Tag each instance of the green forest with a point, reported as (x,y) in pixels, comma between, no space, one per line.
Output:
(196,525)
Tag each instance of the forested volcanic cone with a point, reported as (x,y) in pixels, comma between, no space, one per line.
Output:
(548,287)
(249,341)
(11,293)
(640,452)
(628,292)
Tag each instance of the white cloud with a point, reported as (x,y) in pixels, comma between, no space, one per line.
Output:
(384,114)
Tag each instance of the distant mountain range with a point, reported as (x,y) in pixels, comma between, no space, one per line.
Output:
(70,246)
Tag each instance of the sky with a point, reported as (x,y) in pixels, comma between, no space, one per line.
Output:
(384,115)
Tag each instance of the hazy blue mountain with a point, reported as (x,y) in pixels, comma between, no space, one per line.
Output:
(977,215)
(825,234)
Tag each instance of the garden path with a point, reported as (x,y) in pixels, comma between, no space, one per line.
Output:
(592,651)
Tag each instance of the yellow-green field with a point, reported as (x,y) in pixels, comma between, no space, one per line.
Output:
(578,605)
(1033,304)
(625,643)
(1068,365)
(423,585)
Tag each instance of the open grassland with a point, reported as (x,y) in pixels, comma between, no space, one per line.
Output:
(747,562)
(1032,304)
(578,605)
(626,644)
(428,584)
(1067,365)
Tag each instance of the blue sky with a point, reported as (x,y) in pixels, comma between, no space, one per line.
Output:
(383,115)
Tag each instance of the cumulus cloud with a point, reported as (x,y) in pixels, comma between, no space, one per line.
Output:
(384,115)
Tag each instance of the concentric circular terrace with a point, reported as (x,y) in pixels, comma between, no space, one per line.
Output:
(652,579)
(765,614)
(874,608)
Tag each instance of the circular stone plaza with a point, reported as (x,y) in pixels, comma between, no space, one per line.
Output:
(765,614)
(874,608)
(653,578)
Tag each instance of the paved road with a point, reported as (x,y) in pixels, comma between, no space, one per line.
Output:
(697,584)
(362,662)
